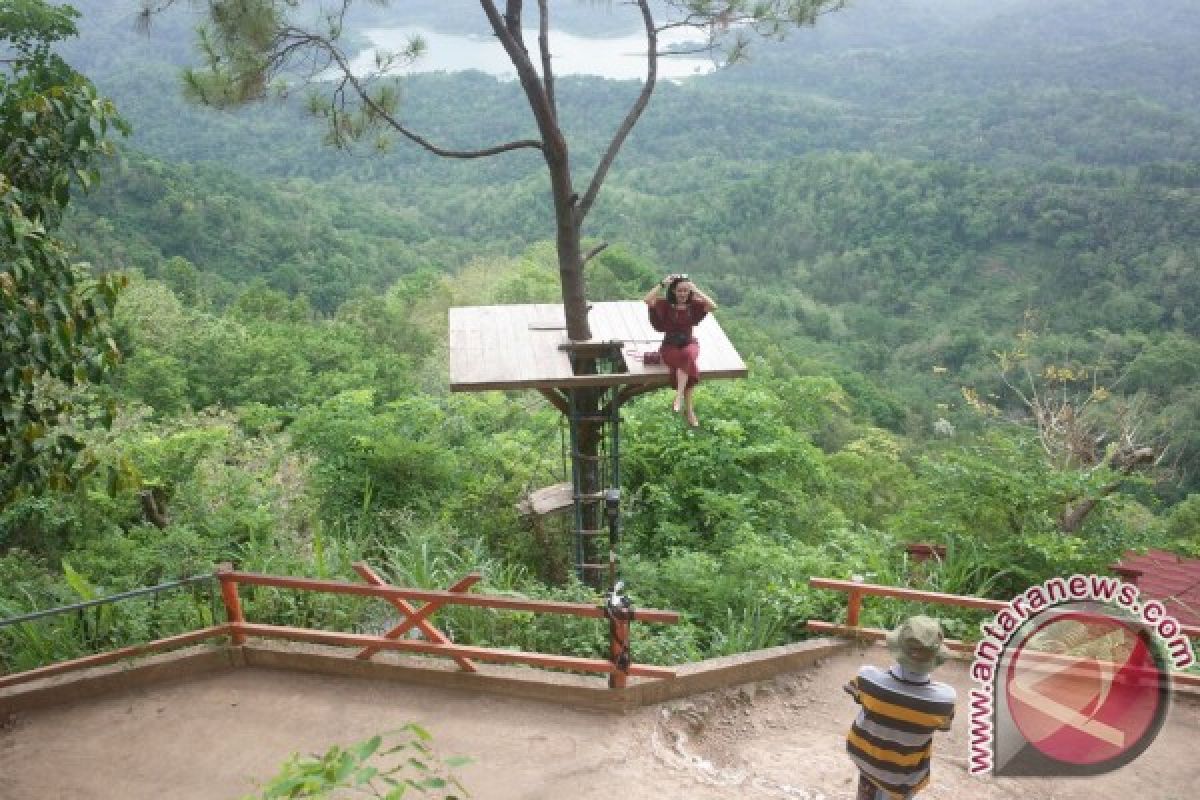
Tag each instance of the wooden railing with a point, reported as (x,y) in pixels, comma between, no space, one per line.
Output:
(113,656)
(616,668)
(857,590)
(435,642)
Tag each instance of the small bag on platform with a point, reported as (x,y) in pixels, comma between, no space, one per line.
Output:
(677,339)
(651,358)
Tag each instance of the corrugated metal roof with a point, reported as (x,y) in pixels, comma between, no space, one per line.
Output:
(1171,578)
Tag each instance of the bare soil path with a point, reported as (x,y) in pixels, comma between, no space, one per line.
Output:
(211,738)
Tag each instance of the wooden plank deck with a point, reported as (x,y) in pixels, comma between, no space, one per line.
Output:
(517,347)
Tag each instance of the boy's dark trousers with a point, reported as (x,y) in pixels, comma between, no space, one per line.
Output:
(868,790)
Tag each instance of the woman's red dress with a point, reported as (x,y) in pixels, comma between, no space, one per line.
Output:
(679,322)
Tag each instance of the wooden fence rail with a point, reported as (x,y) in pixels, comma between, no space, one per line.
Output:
(857,590)
(113,656)
(618,668)
(436,643)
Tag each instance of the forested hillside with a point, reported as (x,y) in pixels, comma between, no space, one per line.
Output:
(916,217)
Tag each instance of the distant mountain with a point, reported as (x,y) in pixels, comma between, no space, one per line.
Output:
(923,51)
(1083,23)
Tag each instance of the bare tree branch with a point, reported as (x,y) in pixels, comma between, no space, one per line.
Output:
(291,42)
(145,15)
(363,95)
(631,118)
(1077,435)
(543,114)
(594,251)
(696,21)
(512,22)
(544,45)
(687,51)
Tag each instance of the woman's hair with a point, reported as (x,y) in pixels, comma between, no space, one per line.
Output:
(671,288)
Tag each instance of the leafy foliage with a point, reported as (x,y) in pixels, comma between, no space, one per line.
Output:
(53,318)
(388,766)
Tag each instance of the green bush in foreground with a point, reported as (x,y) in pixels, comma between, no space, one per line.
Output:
(367,767)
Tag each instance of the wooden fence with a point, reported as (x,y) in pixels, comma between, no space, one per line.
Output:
(856,591)
(435,643)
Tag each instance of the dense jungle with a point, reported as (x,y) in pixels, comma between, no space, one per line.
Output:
(957,244)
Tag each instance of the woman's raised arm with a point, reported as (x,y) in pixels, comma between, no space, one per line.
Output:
(652,296)
(709,305)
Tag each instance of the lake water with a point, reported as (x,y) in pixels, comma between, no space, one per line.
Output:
(618,57)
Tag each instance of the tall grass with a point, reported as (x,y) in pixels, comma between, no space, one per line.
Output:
(109,626)
(756,627)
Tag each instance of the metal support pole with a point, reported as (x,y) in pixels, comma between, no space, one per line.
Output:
(576,480)
(613,498)
(612,507)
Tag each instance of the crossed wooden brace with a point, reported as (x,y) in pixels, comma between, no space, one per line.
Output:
(415,617)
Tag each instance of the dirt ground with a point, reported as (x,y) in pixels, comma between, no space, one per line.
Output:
(213,737)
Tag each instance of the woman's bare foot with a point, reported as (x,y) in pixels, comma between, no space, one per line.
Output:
(677,404)
(691,418)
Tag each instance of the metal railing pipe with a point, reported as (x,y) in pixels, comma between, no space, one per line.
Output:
(113,598)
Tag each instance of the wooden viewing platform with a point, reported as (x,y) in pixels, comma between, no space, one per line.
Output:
(520,347)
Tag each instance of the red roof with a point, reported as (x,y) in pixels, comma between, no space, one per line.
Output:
(1168,577)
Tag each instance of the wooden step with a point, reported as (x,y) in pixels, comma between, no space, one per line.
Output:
(590,497)
(548,500)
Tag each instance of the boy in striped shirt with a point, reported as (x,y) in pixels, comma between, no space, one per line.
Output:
(891,740)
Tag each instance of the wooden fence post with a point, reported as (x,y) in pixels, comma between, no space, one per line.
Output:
(233,604)
(854,604)
(618,648)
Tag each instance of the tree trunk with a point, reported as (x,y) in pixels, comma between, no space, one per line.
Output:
(154,507)
(1074,514)
(567,242)
(568,220)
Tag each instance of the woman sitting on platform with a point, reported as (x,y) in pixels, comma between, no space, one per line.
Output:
(674,315)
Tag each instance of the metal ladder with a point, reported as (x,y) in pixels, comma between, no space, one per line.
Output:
(596,491)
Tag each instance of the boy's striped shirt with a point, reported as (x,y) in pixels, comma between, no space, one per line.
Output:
(891,740)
